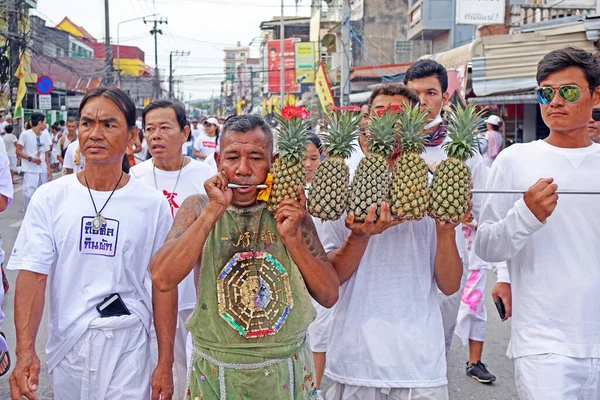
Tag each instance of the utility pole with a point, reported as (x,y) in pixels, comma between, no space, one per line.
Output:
(16,44)
(282,58)
(212,103)
(108,59)
(347,56)
(251,89)
(176,53)
(155,31)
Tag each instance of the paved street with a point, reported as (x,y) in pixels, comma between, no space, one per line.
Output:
(461,387)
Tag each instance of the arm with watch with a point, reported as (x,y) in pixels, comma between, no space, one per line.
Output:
(24,156)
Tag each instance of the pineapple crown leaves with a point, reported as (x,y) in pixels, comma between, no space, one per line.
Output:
(462,126)
(412,122)
(382,131)
(292,135)
(342,133)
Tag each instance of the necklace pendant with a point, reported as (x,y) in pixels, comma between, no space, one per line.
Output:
(97,222)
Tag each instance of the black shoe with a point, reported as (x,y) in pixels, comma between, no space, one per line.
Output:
(479,372)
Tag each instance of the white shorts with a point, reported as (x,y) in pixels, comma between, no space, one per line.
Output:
(340,391)
(551,376)
(472,318)
(319,330)
(12,163)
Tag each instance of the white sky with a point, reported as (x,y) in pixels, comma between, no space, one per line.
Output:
(202,27)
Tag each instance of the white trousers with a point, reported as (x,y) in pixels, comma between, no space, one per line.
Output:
(319,330)
(32,181)
(180,358)
(555,377)
(347,392)
(105,364)
(471,323)
(449,306)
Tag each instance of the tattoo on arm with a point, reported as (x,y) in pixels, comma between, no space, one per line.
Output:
(311,241)
(188,214)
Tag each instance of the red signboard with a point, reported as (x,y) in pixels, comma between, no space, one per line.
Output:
(274,66)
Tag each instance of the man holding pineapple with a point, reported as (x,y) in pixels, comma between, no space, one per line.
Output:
(550,245)
(387,338)
(256,272)
(430,80)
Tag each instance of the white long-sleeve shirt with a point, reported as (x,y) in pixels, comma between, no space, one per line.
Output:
(554,266)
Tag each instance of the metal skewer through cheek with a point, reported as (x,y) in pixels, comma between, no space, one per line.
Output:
(236,186)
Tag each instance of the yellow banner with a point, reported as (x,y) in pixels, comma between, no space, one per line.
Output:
(323,89)
(21,91)
(263,109)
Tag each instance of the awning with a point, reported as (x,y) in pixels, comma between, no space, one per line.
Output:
(360,98)
(379,71)
(508,98)
(505,63)
(456,57)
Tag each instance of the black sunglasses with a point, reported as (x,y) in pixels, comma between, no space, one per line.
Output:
(596,114)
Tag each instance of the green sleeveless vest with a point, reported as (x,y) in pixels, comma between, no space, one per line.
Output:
(249,325)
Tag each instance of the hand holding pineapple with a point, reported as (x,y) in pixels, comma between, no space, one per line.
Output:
(289,216)
(372,225)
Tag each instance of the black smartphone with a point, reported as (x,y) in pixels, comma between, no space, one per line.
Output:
(112,306)
(500,306)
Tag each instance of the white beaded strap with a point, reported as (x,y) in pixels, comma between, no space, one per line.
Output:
(222,366)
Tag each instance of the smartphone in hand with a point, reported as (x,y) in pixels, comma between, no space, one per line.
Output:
(500,306)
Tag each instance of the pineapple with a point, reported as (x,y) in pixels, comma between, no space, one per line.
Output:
(328,195)
(452,178)
(409,191)
(288,170)
(370,184)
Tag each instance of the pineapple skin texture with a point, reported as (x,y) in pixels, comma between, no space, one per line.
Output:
(370,185)
(287,176)
(328,196)
(409,189)
(451,191)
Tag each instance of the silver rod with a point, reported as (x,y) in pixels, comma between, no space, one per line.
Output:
(236,186)
(520,191)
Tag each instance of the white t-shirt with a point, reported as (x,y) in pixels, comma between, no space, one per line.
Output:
(387,329)
(84,267)
(9,143)
(554,266)
(191,182)
(29,141)
(69,161)
(206,145)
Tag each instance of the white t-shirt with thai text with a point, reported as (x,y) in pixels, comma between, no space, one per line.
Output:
(554,266)
(191,182)
(85,266)
(206,145)
(35,148)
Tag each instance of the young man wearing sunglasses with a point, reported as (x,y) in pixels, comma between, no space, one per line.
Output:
(34,148)
(550,244)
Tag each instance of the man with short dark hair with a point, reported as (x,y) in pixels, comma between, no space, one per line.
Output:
(594,126)
(551,245)
(89,237)
(34,149)
(256,272)
(387,339)
(177,177)
(430,80)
